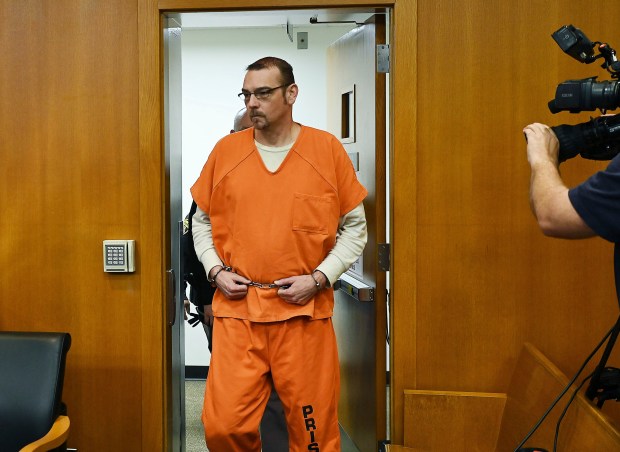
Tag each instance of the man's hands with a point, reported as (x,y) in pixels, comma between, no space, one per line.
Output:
(542,145)
(232,285)
(185,308)
(301,288)
(549,199)
(296,289)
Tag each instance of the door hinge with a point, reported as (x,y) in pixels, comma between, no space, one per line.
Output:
(383,254)
(383,58)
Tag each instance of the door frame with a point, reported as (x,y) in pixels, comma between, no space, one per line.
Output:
(156,422)
(360,369)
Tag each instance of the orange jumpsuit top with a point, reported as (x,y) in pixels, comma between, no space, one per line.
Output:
(270,225)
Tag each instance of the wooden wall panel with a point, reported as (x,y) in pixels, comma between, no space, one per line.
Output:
(156,420)
(470,421)
(485,280)
(71,178)
(455,421)
(403,211)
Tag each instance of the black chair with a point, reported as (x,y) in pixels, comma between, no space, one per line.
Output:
(32,370)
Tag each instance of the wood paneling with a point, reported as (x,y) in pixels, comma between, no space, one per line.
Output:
(455,421)
(397,448)
(482,422)
(197,5)
(156,422)
(403,211)
(473,277)
(72,176)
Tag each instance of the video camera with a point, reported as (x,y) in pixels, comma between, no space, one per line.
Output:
(599,138)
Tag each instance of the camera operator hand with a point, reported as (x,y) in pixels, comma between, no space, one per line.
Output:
(549,199)
(542,145)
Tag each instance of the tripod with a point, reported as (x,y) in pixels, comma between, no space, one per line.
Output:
(605,382)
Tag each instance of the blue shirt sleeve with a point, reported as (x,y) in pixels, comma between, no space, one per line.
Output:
(597,201)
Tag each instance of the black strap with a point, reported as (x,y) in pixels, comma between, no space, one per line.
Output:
(617,270)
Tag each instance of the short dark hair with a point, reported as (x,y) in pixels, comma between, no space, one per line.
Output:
(286,70)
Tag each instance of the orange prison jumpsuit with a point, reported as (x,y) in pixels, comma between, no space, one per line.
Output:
(269,226)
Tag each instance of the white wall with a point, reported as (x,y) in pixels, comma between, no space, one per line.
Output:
(214,62)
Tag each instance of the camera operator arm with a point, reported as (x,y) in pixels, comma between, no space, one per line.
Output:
(549,200)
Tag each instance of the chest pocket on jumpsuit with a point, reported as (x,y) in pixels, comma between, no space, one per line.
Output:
(312,213)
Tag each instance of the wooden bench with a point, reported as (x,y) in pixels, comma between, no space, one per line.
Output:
(438,421)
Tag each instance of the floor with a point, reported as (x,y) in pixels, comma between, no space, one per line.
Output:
(194,433)
(194,436)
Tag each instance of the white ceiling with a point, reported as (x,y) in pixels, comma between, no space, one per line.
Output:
(272,18)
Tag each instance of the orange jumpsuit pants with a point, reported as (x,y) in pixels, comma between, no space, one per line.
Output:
(301,357)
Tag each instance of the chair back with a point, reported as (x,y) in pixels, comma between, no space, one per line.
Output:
(32,368)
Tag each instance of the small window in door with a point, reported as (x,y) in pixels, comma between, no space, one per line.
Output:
(347,120)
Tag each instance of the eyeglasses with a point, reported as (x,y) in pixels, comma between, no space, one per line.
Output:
(260,94)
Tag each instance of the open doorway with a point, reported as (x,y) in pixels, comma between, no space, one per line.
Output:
(215,49)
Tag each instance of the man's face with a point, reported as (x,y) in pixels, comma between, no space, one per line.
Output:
(276,106)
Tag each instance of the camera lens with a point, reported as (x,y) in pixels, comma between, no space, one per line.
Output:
(585,95)
(604,95)
(597,139)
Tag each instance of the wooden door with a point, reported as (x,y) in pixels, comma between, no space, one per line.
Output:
(81,165)
(356,114)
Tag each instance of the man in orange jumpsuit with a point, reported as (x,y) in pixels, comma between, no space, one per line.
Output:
(279,219)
